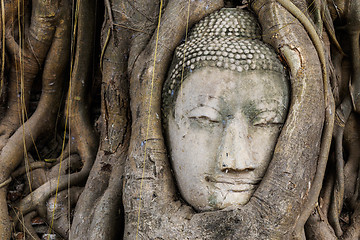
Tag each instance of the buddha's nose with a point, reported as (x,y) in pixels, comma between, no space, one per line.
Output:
(235,149)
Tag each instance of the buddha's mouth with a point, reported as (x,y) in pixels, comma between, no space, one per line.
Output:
(232,180)
(233,184)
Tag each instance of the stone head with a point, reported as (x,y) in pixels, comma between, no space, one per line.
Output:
(224,103)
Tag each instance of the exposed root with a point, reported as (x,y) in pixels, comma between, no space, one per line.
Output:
(353,29)
(317,228)
(27,227)
(35,165)
(325,198)
(6,182)
(58,210)
(329,119)
(26,65)
(36,200)
(44,117)
(342,115)
(352,143)
(68,165)
(40,176)
(353,231)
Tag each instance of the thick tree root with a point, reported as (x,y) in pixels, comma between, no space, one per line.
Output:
(32,166)
(342,115)
(329,118)
(26,63)
(27,228)
(353,231)
(36,200)
(43,119)
(59,208)
(318,228)
(103,190)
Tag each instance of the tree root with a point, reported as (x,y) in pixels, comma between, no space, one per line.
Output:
(27,227)
(290,188)
(6,182)
(353,231)
(68,165)
(41,176)
(317,228)
(100,198)
(329,118)
(351,170)
(32,166)
(326,194)
(36,200)
(342,115)
(44,117)
(353,29)
(58,215)
(39,36)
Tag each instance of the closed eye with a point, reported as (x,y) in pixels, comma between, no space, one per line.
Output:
(268,124)
(205,114)
(268,118)
(204,119)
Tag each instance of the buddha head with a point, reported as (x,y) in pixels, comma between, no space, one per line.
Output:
(224,103)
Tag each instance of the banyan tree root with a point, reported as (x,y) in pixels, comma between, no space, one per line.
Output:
(103,190)
(158,189)
(27,58)
(59,210)
(353,231)
(329,119)
(83,135)
(26,226)
(317,227)
(37,198)
(351,169)
(351,175)
(82,138)
(43,119)
(35,165)
(342,115)
(352,15)
(40,176)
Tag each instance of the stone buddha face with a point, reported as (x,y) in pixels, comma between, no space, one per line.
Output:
(223,123)
(223,133)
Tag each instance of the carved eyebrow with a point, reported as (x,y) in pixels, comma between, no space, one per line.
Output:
(210,98)
(254,108)
(205,100)
(278,112)
(279,104)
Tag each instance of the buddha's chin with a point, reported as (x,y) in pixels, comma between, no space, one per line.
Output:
(218,199)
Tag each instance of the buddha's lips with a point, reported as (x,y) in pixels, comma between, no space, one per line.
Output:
(232,180)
